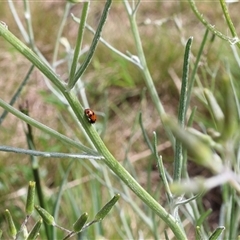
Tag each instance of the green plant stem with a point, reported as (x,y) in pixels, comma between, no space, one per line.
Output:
(161,170)
(28,19)
(31,42)
(146,74)
(79,41)
(208,25)
(178,157)
(59,195)
(17,93)
(229,21)
(93,46)
(196,64)
(18,21)
(145,136)
(130,59)
(234,88)
(35,171)
(60,30)
(48,154)
(124,56)
(109,160)
(44,128)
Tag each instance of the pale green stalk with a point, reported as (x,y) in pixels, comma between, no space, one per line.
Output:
(60,30)
(144,68)
(229,21)
(79,41)
(18,21)
(31,42)
(28,19)
(209,26)
(17,93)
(59,195)
(48,154)
(93,47)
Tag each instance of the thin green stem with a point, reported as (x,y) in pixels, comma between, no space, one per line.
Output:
(196,64)
(60,30)
(17,93)
(59,195)
(44,128)
(229,21)
(48,154)
(131,59)
(178,157)
(135,8)
(128,198)
(145,136)
(79,42)
(35,171)
(93,47)
(208,25)
(124,56)
(18,21)
(234,90)
(31,42)
(162,172)
(28,18)
(145,71)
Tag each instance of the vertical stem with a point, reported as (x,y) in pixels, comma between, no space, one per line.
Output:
(60,30)
(79,40)
(93,47)
(146,74)
(178,157)
(229,21)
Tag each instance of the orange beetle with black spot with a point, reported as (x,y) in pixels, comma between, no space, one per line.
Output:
(90,115)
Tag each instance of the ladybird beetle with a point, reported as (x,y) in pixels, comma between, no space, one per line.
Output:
(90,115)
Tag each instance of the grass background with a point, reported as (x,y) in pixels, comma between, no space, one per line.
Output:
(116,91)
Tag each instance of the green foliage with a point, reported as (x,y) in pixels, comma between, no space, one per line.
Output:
(126,82)
(78,226)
